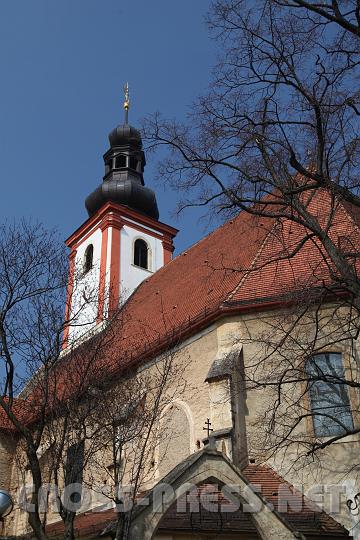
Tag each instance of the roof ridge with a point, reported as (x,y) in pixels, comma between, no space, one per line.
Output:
(255,259)
(347,213)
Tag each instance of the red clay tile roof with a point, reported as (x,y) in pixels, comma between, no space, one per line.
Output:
(282,268)
(86,524)
(20,409)
(300,513)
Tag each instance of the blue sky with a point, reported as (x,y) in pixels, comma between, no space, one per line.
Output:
(63,65)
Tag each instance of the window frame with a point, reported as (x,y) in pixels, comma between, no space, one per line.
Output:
(126,161)
(350,397)
(86,268)
(149,254)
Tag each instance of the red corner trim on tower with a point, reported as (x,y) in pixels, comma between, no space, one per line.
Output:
(168,248)
(115,223)
(69,291)
(102,277)
(114,285)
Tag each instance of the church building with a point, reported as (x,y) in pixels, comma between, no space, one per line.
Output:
(210,306)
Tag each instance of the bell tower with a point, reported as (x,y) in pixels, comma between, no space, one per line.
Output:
(122,242)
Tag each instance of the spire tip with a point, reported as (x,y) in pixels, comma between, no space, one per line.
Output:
(126,102)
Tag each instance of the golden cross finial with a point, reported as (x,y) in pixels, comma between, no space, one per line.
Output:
(127,101)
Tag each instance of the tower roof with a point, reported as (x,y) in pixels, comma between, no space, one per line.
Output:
(125,134)
(123,182)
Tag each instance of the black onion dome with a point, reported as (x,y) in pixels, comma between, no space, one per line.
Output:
(125,135)
(126,192)
(123,182)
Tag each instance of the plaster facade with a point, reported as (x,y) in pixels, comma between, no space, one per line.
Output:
(84,301)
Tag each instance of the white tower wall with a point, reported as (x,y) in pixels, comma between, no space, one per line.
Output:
(131,275)
(95,293)
(84,304)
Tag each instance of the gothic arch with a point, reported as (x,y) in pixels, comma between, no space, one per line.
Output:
(187,410)
(196,470)
(177,441)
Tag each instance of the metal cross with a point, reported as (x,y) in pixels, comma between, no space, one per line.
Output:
(208,428)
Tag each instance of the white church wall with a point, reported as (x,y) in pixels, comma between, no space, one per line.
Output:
(130,275)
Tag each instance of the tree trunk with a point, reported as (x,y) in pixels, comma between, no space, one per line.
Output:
(34,517)
(36,525)
(123,526)
(120,527)
(69,526)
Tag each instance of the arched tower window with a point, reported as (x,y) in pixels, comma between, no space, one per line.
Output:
(88,259)
(141,254)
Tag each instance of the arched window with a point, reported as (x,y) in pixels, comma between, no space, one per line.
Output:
(329,395)
(120,161)
(88,259)
(141,254)
(174,446)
